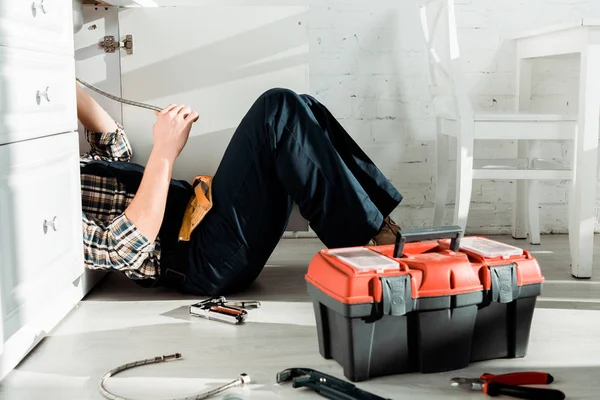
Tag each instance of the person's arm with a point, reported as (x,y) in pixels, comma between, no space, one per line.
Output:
(171,131)
(92,116)
(107,139)
(116,245)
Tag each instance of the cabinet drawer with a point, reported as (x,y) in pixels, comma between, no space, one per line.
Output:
(40,222)
(39,25)
(37,95)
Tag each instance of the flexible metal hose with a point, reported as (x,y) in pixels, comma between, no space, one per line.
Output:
(242,380)
(119,99)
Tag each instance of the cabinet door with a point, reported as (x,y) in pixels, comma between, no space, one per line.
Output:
(41,253)
(37,95)
(39,25)
(216,59)
(93,65)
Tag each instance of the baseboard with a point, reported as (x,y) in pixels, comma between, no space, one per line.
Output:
(300,235)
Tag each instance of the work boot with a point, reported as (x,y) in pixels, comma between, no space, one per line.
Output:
(387,233)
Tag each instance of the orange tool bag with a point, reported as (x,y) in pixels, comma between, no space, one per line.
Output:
(422,304)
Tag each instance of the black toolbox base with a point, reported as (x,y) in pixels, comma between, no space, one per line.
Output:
(502,330)
(443,338)
(364,349)
(425,341)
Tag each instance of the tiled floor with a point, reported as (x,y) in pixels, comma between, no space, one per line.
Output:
(120,322)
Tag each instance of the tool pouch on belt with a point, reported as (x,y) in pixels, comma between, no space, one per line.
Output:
(198,206)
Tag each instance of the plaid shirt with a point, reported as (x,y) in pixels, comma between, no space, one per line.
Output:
(111,241)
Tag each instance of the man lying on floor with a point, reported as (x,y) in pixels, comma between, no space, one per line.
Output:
(287,149)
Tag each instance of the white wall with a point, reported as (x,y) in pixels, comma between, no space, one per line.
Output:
(367,64)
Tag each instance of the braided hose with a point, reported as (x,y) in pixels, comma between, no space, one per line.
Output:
(242,380)
(119,99)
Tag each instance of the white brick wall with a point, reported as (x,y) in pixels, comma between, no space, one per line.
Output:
(368,66)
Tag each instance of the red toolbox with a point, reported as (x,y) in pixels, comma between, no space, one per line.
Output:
(421,305)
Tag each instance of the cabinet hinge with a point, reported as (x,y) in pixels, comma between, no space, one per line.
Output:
(110,44)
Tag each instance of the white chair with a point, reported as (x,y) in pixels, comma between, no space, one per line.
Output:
(456,118)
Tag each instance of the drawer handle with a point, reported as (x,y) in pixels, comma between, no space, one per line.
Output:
(50,224)
(41,6)
(45,94)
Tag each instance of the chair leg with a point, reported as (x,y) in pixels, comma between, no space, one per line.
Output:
(520,212)
(533,196)
(583,199)
(533,211)
(442,179)
(464,178)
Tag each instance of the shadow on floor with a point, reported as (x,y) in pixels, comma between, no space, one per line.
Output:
(277,283)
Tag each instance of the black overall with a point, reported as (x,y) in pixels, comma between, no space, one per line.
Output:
(287,149)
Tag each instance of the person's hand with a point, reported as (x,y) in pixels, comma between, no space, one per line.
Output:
(172,129)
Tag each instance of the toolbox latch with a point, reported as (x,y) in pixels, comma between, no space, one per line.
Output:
(397,298)
(504,283)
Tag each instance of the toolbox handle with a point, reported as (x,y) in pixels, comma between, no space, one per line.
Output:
(421,234)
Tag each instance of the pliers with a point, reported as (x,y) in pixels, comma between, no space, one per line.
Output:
(510,385)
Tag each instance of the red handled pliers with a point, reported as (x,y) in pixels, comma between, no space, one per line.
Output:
(510,385)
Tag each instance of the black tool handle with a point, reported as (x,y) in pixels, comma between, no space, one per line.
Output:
(334,394)
(339,394)
(329,392)
(523,392)
(333,388)
(421,234)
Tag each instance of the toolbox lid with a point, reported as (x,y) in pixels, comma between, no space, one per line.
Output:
(501,266)
(364,259)
(489,248)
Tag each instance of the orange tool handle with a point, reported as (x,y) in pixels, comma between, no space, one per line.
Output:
(227,310)
(520,378)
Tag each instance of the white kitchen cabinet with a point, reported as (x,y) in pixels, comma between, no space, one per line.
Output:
(42,275)
(41,254)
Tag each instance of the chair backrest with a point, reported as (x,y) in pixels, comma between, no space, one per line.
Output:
(449,93)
